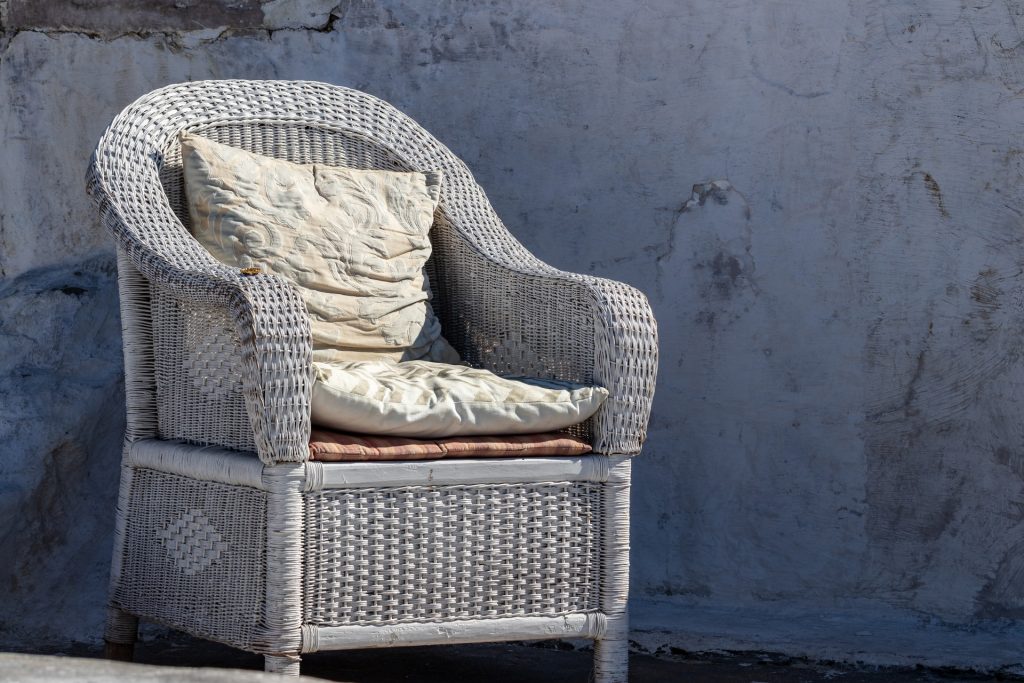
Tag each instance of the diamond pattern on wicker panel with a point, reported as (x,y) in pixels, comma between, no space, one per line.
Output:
(413,554)
(192,542)
(513,356)
(213,358)
(223,601)
(196,401)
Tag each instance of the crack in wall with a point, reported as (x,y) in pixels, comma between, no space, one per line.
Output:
(182,39)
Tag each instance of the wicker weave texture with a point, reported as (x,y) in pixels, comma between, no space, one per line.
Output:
(194,556)
(502,307)
(198,369)
(437,553)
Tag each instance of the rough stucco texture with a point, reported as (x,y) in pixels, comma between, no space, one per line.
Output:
(824,202)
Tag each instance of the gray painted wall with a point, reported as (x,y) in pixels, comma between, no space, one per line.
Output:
(823,201)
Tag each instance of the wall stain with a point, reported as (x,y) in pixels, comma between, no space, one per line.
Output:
(986,295)
(1002,596)
(725,270)
(1010,459)
(44,524)
(936,192)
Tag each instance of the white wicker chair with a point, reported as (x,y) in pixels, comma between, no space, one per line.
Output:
(226,530)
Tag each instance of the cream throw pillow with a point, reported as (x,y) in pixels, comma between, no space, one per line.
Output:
(354,241)
(434,400)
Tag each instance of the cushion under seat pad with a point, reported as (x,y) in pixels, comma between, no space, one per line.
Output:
(427,400)
(330,446)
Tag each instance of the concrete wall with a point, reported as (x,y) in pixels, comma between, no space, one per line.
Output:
(822,199)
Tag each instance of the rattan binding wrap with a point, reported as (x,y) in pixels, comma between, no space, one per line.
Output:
(281,556)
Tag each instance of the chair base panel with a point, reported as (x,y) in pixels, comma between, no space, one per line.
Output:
(185,559)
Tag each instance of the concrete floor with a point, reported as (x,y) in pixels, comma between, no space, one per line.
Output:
(543,663)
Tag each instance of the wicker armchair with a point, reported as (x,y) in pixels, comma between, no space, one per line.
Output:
(225,529)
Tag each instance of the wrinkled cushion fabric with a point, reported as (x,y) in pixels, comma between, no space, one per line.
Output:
(433,400)
(353,241)
(331,446)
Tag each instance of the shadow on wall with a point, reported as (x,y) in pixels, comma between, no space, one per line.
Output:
(61,430)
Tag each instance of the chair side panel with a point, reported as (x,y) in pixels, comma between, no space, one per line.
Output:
(194,556)
(511,324)
(198,372)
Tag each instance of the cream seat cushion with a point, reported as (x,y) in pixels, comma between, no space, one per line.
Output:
(434,400)
(353,241)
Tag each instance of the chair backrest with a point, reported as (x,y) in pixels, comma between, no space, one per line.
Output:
(137,161)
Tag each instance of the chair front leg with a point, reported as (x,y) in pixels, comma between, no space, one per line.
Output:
(286,665)
(283,603)
(611,650)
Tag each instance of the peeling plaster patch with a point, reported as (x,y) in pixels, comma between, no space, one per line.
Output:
(717,190)
(118,17)
(190,40)
(298,13)
(717,217)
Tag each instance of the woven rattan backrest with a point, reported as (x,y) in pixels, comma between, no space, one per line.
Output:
(135,160)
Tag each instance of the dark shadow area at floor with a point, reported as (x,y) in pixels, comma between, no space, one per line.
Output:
(536,663)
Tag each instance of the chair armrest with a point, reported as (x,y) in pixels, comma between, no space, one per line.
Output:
(507,311)
(267,313)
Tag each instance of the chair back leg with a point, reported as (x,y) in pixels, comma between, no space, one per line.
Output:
(119,637)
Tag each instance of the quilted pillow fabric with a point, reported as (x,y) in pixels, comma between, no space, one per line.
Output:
(353,241)
(434,400)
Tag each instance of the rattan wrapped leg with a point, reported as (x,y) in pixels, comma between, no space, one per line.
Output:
(119,638)
(286,665)
(611,654)
(611,651)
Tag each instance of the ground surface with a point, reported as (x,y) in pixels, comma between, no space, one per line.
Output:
(466,664)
